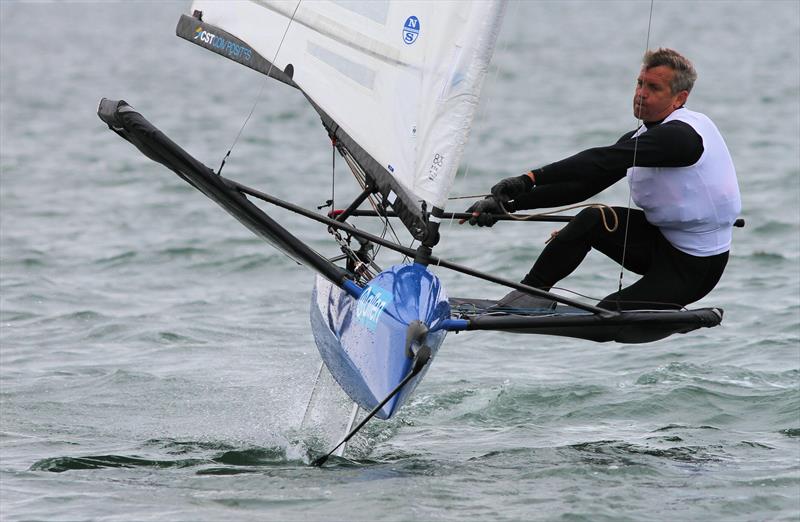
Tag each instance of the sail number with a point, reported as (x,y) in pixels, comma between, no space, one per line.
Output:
(436,166)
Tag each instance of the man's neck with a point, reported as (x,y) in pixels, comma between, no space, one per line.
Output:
(649,124)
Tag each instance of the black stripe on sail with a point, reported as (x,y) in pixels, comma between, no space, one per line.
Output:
(405,206)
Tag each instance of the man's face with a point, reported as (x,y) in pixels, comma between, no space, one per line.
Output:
(654,99)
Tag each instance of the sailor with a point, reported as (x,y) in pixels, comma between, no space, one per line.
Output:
(681,176)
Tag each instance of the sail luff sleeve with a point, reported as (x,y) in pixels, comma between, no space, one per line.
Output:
(133,127)
(225,44)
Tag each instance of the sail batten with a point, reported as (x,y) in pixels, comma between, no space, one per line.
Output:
(400,80)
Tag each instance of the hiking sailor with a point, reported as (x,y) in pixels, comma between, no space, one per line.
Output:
(683,180)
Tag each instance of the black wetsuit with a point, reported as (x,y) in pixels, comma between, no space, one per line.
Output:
(671,278)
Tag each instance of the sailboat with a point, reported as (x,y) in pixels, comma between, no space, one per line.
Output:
(396,85)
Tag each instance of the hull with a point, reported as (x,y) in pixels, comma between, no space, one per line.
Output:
(363,341)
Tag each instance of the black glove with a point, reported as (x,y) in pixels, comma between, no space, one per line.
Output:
(509,188)
(487,209)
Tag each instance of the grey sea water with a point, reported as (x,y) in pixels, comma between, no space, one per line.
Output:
(156,358)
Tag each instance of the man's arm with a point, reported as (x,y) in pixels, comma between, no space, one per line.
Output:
(671,144)
(579,177)
(560,194)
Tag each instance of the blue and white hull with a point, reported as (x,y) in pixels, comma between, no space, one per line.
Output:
(363,341)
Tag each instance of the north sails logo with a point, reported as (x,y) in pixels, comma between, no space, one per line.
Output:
(410,30)
(232,49)
(371,304)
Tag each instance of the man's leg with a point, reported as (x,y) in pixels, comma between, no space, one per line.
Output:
(674,280)
(568,249)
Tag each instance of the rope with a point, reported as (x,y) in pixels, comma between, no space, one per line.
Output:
(526,217)
(599,206)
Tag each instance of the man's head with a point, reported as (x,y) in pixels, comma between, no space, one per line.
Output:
(664,84)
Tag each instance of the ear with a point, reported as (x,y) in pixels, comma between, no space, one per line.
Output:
(680,99)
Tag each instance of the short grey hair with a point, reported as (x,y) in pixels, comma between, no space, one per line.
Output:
(685,75)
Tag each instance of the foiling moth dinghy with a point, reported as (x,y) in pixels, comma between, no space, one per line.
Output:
(396,85)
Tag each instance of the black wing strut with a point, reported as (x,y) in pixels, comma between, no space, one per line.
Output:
(128,123)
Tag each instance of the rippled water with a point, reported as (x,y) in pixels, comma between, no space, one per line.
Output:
(156,358)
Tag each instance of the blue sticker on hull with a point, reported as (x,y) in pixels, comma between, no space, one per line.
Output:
(371,304)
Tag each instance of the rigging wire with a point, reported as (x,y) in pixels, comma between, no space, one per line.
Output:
(261,91)
(633,166)
(677,306)
(333,173)
(601,207)
(361,178)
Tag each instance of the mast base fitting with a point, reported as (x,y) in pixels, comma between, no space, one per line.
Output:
(423,255)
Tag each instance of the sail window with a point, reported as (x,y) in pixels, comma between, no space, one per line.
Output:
(375,10)
(357,72)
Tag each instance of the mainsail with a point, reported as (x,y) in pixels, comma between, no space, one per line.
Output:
(397,82)
(396,85)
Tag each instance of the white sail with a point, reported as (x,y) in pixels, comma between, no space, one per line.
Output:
(401,78)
